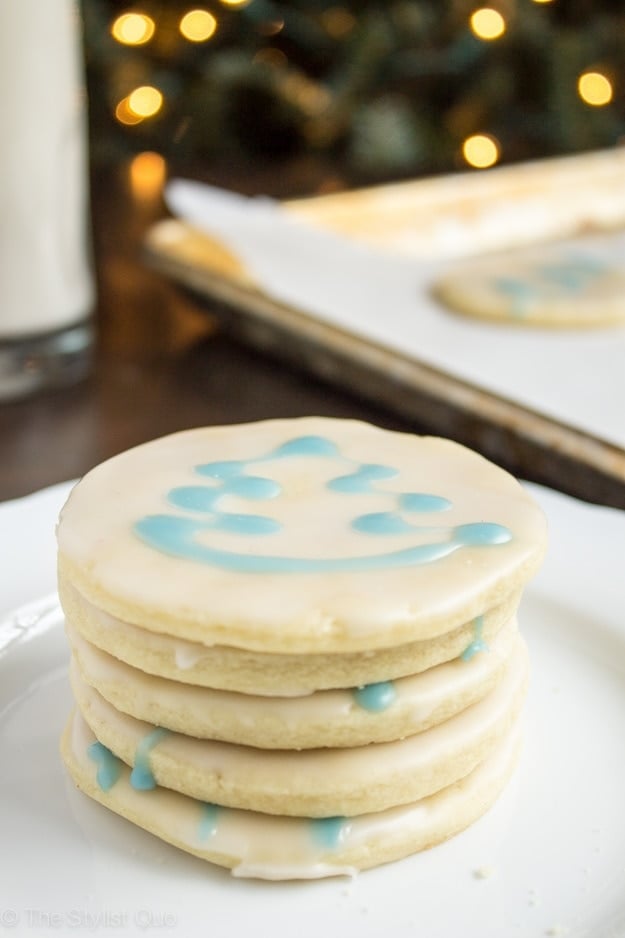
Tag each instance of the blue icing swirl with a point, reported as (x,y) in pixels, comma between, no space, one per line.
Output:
(571,274)
(209,817)
(329,832)
(178,536)
(141,776)
(478,644)
(109,766)
(375,697)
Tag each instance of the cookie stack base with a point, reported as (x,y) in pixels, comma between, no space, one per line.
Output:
(281,848)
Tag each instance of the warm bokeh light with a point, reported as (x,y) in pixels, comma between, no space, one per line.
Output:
(543,1)
(124,115)
(338,22)
(487,23)
(595,88)
(198,25)
(133,29)
(145,101)
(147,173)
(480,151)
(235,3)
(270,56)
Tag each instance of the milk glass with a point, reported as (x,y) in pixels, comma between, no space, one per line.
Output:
(46,287)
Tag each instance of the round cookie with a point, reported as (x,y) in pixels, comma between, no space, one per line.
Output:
(334,718)
(311,783)
(279,848)
(309,536)
(550,285)
(234,669)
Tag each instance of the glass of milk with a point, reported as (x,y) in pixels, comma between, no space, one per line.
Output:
(46,287)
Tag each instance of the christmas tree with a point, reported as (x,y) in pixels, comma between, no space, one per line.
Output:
(356,91)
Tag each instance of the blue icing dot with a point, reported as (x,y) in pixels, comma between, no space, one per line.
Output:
(209,816)
(109,766)
(254,488)
(360,481)
(194,497)
(420,501)
(375,697)
(381,522)
(481,534)
(222,470)
(141,776)
(305,446)
(329,832)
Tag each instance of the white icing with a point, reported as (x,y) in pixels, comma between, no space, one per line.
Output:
(300,612)
(281,848)
(160,700)
(234,669)
(319,782)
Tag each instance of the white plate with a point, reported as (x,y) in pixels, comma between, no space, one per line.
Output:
(551,853)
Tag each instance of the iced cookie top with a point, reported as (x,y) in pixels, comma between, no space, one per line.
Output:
(308,535)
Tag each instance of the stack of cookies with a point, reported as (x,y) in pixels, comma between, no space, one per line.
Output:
(295,649)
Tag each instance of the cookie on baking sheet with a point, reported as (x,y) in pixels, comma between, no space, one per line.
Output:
(294,642)
(273,847)
(549,285)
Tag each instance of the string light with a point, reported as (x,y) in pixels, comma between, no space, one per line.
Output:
(147,173)
(481,151)
(198,25)
(487,23)
(338,22)
(270,56)
(133,29)
(124,115)
(145,101)
(595,88)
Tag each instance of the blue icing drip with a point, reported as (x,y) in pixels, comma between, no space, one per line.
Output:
(478,644)
(375,697)
(109,766)
(306,446)
(141,776)
(208,820)
(420,501)
(329,832)
(360,481)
